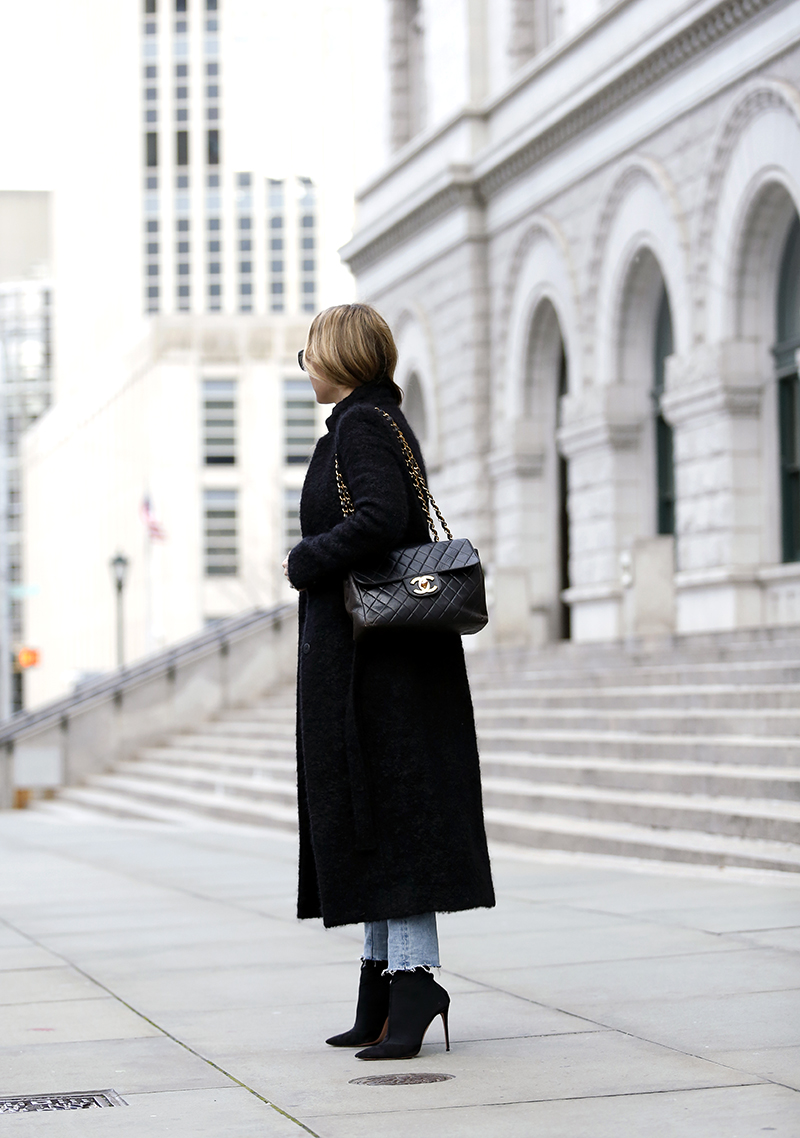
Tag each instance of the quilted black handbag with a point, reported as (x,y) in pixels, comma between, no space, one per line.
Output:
(438,585)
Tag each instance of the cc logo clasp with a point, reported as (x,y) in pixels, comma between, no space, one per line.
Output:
(424,585)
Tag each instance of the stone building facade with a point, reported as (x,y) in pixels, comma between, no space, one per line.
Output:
(589,249)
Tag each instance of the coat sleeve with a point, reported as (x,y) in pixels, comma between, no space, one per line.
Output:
(373,469)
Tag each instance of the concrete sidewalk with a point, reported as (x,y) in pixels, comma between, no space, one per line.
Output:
(596,1000)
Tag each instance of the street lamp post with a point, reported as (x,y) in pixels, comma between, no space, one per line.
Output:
(119,567)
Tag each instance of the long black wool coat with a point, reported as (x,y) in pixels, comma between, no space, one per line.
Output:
(391,820)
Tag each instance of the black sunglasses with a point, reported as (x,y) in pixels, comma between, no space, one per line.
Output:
(300,359)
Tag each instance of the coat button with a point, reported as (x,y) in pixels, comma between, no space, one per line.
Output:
(306,648)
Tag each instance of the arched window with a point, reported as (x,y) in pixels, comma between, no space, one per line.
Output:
(665,466)
(785,352)
(414,407)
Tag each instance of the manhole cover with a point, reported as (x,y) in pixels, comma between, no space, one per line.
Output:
(400,1080)
(74,1100)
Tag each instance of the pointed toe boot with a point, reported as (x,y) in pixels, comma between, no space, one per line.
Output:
(414,1003)
(372,1009)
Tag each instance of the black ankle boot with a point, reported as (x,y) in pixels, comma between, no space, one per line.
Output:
(415,1002)
(372,1008)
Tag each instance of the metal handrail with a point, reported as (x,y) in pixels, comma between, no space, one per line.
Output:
(124,679)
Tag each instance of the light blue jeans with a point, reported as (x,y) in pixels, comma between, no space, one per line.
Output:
(406,942)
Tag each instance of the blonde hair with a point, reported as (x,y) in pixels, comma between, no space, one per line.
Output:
(352,345)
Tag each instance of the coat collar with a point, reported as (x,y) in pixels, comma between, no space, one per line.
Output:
(377,394)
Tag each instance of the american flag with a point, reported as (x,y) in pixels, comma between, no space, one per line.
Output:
(154,530)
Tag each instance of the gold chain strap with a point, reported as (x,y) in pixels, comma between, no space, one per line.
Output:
(417,477)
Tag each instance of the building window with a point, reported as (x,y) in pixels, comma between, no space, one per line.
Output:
(307,243)
(276,222)
(183,290)
(151,94)
(152,292)
(220,508)
(152,248)
(213,223)
(180,5)
(150,28)
(181,92)
(181,70)
(150,72)
(407,94)
(213,246)
(299,421)
(245,289)
(213,148)
(183,269)
(180,27)
(291,517)
(213,268)
(214,290)
(212,91)
(152,227)
(182,147)
(183,246)
(212,69)
(151,183)
(183,225)
(149,7)
(152,270)
(245,246)
(665,466)
(151,116)
(212,25)
(151,148)
(785,352)
(211,5)
(276,266)
(245,266)
(276,244)
(244,223)
(219,422)
(182,182)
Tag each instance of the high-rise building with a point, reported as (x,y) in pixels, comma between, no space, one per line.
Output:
(183,445)
(215,238)
(26,296)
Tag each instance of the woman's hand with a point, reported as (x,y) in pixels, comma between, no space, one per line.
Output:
(285,564)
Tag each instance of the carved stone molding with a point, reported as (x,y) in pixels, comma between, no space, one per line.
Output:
(725,378)
(724,19)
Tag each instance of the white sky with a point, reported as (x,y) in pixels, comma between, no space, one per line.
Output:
(308,84)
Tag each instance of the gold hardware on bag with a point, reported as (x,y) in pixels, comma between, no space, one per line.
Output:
(424,585)
(418,479)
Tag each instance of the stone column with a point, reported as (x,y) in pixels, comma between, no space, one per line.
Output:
(713,400)
(601,438)
(520,604)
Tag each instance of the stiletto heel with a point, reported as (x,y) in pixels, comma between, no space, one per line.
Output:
(414,1003)
(372,1009)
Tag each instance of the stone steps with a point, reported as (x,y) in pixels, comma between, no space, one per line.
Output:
(621,839)
(595,749)
(668,776)
(775,751)
(687,697)
(706,721)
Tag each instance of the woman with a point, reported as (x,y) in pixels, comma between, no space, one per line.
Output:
(391,821)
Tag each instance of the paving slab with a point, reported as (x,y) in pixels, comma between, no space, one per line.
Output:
(590,987)
(592,1002)
(27,955)
(778,1064)
(56,1021)
(180,1114)
(735,1112)
(127,1065)
(544,1067)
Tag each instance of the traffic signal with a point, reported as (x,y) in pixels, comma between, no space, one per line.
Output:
(25,658)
